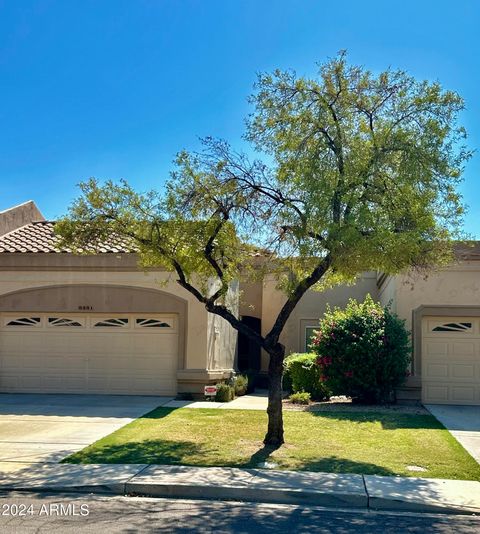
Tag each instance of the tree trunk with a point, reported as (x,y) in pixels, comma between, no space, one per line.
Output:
(274,436)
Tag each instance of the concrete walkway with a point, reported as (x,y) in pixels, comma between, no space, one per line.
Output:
(463,422)
(255,485)
(254,401)
(43,428)
(46,428)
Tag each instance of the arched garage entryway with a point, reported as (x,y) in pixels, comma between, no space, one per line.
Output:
(91,339)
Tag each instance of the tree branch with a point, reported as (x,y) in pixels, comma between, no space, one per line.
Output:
(271,339)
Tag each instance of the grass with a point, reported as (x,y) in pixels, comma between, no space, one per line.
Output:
(341,442)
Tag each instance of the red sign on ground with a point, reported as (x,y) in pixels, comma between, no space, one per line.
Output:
(210,390)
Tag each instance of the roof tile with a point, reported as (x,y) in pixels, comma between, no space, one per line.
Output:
(39,237)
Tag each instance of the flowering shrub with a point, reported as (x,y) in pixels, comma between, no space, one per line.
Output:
(301,374)
(362,351)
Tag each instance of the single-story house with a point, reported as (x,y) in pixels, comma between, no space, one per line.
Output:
(101,324)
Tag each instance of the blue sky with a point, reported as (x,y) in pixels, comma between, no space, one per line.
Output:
(114,89)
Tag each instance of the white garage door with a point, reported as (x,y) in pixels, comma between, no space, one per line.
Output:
(97,353)
(451,360)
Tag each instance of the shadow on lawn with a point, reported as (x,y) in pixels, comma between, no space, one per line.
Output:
(148,451)
(327,464)
(164,452)
(158,413)
(388,421)
(334,464)
(261,456)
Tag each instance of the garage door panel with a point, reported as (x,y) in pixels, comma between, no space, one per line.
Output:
(438,349)
(437,370)
(462,371)
(464,350)
(165,343)
(451,360)
(463,394)
(435,392)
(71,381)
(89,359)
(64,363)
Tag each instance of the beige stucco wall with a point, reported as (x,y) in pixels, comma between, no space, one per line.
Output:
(222,338)
(19,216)
(199,351)
(458,285)
(387,293)
(442,290)
(251,299)
(310,308)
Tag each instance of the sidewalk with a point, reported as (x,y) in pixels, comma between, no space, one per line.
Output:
(463,422)
(252,401)
(256,485)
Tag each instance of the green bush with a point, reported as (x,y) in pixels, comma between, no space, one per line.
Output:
(287,379)
(304,375)
(241,385)
(300,398)
(225,393)
(362,351)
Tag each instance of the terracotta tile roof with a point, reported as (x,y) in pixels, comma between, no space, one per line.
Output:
(39,237)
(468,250)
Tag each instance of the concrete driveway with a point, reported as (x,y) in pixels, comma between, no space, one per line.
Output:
(46,428)
(463,422)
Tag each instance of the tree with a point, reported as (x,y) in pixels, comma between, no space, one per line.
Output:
(361,175)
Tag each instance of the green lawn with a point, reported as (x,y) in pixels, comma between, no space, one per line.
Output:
(341,442)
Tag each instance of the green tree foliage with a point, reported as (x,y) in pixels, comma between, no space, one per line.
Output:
(363,351)
(361,175)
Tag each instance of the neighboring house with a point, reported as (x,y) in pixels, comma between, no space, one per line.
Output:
(100,324)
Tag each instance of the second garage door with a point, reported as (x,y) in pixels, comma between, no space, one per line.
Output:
(451,360)
(79,353)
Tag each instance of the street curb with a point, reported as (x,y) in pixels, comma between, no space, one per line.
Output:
(331,491)
(270,496)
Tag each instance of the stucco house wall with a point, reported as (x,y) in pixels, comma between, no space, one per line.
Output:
(309,310)
(251,299)
(451,291)
(457,285)
(18,216)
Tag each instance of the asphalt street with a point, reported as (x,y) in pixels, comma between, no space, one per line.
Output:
(25,513)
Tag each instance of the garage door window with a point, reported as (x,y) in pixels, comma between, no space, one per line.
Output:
(23,321)
(65,321)
(453,327)
(166,324)
(114,323)
(152,323)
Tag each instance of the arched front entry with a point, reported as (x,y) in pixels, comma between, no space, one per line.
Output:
(91,339)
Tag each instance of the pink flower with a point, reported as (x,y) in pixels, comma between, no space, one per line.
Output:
(327,360)
(349,374)
(322,378)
